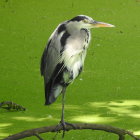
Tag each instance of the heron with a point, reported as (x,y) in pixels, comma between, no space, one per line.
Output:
(63,58)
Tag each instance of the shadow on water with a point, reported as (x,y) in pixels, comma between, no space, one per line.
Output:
(117,113)
(120,108)
(3,127)
(35,119)
(121,113)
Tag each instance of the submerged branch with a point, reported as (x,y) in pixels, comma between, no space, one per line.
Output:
(9,105)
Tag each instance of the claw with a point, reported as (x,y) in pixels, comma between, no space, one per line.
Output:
(63,124)
(64,128)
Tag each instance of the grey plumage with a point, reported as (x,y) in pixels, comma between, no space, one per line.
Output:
(49,64)
(63,58)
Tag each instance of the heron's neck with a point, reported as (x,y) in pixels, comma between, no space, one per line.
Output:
(73,28)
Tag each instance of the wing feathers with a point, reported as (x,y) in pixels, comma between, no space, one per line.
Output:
(52,66)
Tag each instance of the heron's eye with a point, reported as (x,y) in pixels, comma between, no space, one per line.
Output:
(85,21)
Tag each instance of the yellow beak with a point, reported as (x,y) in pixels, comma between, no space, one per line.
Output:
(98,24)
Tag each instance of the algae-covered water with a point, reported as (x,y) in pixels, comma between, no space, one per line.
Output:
(108,90)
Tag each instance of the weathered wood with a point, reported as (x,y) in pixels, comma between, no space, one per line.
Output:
(77,126)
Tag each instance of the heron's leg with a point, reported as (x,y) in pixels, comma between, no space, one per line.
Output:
(63,106)
(62,122)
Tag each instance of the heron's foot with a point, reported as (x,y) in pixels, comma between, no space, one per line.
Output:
(64,124)
(57,130)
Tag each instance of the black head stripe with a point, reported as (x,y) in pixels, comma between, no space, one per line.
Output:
(78,18)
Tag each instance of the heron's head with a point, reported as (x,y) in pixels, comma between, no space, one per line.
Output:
(83,21)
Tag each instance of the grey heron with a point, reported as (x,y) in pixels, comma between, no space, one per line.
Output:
(63,58)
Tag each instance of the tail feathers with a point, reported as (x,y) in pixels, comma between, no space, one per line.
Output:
(52,94)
